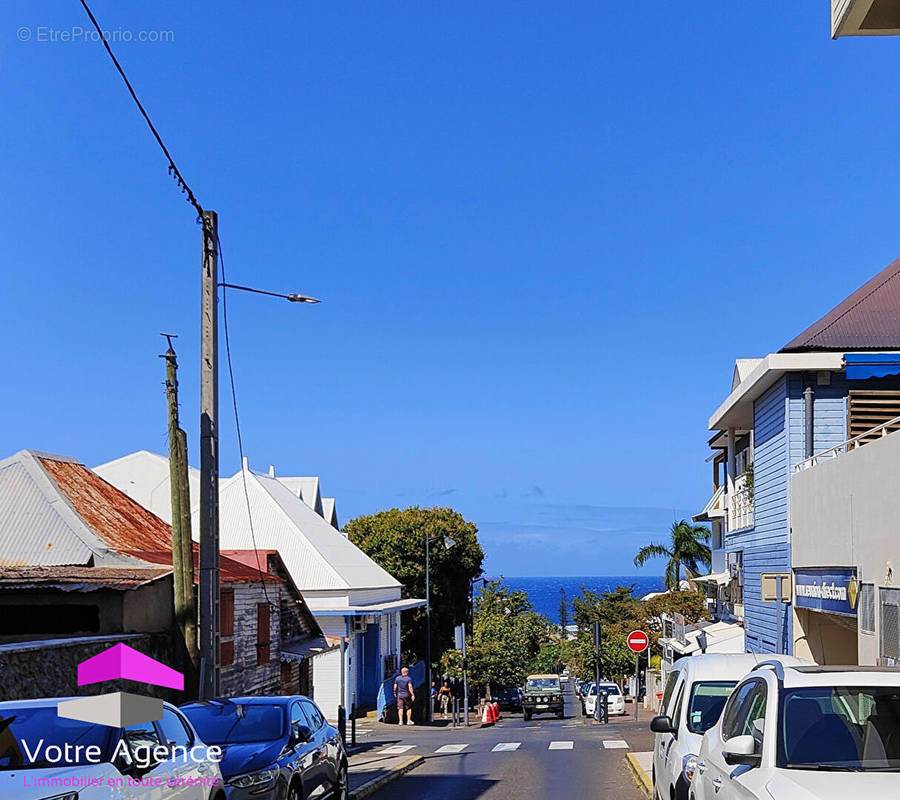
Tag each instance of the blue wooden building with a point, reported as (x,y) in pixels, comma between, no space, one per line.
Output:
(834,381)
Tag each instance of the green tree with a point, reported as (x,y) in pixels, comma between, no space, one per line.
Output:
(395,540)
(687,548)
(563,612)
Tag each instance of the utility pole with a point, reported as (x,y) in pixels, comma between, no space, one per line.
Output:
(182,548)
(429,713)
(209,462)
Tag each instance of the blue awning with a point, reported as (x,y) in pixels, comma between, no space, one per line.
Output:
(861,366)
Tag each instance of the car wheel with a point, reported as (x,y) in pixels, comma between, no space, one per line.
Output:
(295,792)
(342,785)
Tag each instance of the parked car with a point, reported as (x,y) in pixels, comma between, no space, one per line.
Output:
(509,698)
(583,691)
(695,692)
(542,695)
(793,732)
(110,762)
(275,748)
(615,701)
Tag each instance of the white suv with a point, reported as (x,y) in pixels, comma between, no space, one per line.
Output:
(47,757)
(695,692)
(804,733)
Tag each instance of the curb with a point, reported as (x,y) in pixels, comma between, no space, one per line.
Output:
(372,786)
(641,778)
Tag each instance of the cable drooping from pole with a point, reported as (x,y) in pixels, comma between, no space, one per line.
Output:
(237,421)
(173,168)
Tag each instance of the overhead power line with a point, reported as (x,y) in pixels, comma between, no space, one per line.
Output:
(173,168)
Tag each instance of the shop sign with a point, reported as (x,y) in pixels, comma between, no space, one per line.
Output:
(833,590)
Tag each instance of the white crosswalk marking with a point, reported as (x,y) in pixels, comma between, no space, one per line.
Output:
(397,749)
(615,744)
(561,745)
(506,747)
(451,748)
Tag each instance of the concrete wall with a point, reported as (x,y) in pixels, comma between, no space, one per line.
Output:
(845,513)
(49,668)
(825,638)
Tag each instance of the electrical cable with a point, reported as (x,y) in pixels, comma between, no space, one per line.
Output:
(237,421)
(173,169)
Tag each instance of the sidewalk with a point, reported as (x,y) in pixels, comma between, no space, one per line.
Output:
(369,770)
(641,765)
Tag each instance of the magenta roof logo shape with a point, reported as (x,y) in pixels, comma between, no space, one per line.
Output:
(120,709)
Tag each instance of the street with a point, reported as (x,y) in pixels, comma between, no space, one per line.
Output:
(546,757)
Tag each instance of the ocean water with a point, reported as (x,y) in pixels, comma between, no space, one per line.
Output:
(544,592)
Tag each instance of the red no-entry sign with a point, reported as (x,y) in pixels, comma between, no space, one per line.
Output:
(637,641)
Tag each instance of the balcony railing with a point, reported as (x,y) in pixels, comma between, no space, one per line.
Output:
(851,444)
(740,506)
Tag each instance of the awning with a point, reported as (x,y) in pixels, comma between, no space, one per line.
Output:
(862,366)
(375,609)
(719,578)
(300,649)
(715,508)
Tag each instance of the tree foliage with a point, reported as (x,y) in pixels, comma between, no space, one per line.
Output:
(395,540)
(686,548)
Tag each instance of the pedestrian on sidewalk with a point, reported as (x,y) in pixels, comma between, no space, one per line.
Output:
(445,695)
(405,696)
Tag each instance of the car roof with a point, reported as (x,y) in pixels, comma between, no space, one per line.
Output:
(727,666)
(44,702)
(269,700)
(837,675)
(542,675)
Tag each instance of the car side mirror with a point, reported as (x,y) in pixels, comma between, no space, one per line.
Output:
(662,724)
(741,750)
(300,734)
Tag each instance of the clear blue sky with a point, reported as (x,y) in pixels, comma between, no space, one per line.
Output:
(543,232)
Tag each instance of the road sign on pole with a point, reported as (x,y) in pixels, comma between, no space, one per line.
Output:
(637,641)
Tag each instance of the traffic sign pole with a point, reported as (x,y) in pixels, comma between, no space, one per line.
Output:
(637,642)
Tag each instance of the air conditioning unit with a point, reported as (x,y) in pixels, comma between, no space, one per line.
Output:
(865,18)
(358,625)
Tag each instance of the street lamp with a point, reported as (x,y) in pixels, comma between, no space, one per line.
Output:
(208,579)
(448,543)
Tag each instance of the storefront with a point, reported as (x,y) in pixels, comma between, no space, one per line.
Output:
(825,614)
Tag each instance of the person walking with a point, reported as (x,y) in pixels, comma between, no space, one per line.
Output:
(445,695)
(405,696)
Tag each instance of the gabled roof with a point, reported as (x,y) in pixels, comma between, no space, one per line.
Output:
(329,512)
(55,511)
(144,476)
(317,556)
(869,319)
(307,489)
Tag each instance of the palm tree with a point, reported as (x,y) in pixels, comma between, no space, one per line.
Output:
(687,549)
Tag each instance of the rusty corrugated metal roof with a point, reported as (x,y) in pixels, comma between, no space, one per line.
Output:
(79,579)
(869,319)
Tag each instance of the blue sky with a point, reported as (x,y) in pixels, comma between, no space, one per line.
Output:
(543,232)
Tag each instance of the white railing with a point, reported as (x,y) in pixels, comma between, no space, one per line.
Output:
(851,444)
(740,506)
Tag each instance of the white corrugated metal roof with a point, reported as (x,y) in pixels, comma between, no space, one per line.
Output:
(329,512)
(307,489)
(318,556)
(38,526)
(144,477)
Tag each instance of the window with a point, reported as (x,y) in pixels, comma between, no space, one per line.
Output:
(141,739)
(706,703)
(316,720)
(173,729)
(889,641)
(262,634)
(867,608)
(670,688)
(226,653)
(731,716)
(676,714)
(298,718)
(754,717)
(238,723)
(226,627)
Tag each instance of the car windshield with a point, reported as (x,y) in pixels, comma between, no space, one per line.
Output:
(542,684)
(27,732)
(841,728)
(237,723)
(609,688)
(707,700)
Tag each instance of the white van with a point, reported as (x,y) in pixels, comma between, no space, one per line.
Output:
(695,692)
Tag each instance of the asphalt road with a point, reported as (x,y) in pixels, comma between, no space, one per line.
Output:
(571,758)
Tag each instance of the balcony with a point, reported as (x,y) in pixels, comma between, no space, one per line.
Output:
(740,504)
(871,435)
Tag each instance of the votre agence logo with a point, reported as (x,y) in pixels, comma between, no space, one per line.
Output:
(120,709)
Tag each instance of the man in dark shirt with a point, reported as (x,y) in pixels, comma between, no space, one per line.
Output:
(406,696)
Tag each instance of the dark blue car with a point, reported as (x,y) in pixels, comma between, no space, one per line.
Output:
(274,748)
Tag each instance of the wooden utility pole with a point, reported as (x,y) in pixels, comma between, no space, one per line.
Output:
(182,547)
(209,462)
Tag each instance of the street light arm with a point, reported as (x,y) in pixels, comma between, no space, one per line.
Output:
(292,298)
